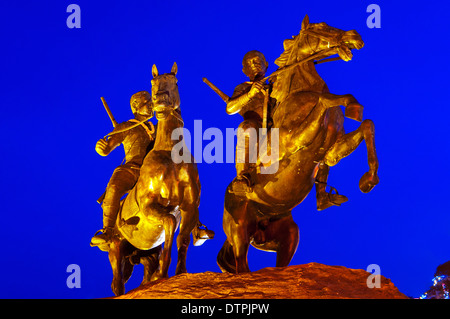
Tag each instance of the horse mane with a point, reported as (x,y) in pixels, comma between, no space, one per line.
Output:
(301,78)
(282,82)
(285,56)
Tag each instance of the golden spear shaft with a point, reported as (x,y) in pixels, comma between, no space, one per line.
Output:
(111,117)
(224,97)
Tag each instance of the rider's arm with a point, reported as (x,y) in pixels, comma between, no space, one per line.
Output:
(242,96)
(238,100)
(105,146)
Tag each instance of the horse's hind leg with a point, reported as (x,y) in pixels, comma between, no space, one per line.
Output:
(127,266)
(281,236)
(288,241)
(169,223)
(151,263)
(345,145)
(189,220)
(226,259)
(241,242)
(238,223)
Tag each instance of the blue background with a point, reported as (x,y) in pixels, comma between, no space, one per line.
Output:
(52,78)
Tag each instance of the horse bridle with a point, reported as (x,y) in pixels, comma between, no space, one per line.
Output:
(332,41)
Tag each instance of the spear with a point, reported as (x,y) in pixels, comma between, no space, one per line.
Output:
(114,123)
(111,117)
(224,97)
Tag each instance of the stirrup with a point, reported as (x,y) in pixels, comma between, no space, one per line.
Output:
(101,241)
(201,235)
(332,199)
(335,198)
(242,185)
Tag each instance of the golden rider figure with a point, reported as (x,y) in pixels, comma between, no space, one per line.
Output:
(137,142)
(248,100)
(138,138)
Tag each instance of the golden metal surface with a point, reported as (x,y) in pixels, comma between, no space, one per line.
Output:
(311,139)
(164,194)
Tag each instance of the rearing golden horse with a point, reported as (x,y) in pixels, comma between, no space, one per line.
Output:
(311,138)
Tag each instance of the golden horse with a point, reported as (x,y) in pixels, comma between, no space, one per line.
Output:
(165,197)
(311,138)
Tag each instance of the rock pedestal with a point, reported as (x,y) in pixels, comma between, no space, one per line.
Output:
(309,281)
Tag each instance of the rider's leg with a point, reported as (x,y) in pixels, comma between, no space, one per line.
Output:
(120,183)
(348,143)
(246,154)
(325,199)
(335,130)
(122,180)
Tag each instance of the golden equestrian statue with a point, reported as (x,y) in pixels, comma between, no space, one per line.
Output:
(311,138)
(162,195)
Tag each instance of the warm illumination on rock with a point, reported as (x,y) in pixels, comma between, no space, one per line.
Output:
(314,281)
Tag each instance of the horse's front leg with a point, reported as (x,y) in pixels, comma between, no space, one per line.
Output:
(348,143)
(115,256)
(305,133)
(353,109)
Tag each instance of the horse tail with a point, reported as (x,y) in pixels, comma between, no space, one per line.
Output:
(226,259)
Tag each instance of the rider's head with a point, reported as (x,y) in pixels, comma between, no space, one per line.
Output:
(141,104)
(254,65)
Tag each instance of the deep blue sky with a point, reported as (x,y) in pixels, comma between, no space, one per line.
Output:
(52,78)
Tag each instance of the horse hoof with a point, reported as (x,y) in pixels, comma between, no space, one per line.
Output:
(118,289)
(368,182)
(180,270)
(157,276)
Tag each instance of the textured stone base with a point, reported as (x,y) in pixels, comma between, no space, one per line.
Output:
(309,281)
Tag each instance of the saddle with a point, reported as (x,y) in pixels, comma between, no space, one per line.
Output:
(128,223)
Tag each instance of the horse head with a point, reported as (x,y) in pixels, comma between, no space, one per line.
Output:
(314,42)
(165,96)
(320,39)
